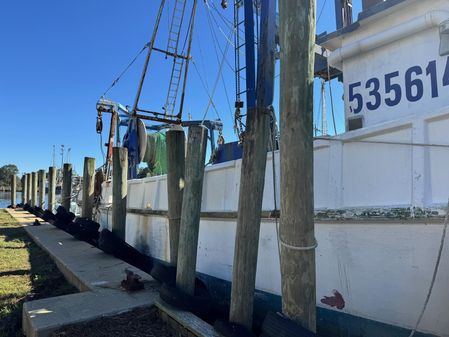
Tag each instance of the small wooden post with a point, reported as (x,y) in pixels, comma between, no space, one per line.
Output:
(24,189)
(88,187)
(191,208)
(29,188)
(66,196)
(119,190)
(13,191)
(175,186)
(51,188)
(34,189)
(296,232)
(41,183)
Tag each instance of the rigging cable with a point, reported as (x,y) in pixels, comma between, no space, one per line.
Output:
(321,12)
(218,78)
(216,48)
(330,92)
(205,87)
(273,146)
(125,70)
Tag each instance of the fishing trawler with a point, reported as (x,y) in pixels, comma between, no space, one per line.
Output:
(381,187)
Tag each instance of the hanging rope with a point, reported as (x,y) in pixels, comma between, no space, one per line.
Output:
(435,272)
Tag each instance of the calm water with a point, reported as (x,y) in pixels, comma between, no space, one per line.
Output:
(5,199)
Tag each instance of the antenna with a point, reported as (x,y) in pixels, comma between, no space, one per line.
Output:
(68,155)
(62,156)
(53,156)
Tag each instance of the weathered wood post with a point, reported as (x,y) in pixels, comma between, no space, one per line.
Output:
(13,191)
(66,195)
(175,186)
(191,208)
(29,188)
(255,146)
(41,183)
(296,233)
(88,187)
(119,190)
(24,189)
(33,189)
(51,188)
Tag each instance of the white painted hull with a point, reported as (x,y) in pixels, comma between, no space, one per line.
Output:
(382,268)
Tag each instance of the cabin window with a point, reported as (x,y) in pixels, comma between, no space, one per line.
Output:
(355,123)
(444,38)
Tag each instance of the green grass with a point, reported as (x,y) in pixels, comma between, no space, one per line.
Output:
(26,273)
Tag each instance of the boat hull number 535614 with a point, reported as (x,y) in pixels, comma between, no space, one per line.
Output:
(410,86)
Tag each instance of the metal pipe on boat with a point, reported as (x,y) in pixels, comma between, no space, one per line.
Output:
(429,20)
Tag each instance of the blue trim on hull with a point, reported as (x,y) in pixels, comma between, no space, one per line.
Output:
(330,323)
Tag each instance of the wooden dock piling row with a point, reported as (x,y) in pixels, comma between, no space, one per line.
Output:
(29,183)
(66,194)
(33,189)
(24,189)
(88,187)
(119,190)
(51,188)
(41,185)
(191,209)
(175,186)
(296,232)
(13,191)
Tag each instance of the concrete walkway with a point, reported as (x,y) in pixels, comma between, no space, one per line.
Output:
(98,277)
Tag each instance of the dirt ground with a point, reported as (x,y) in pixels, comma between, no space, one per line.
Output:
(137,323)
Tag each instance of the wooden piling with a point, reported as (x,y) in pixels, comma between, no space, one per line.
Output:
(175,186)
(13,191)
(51,188)
(119,190)
(29,188)
(41,184)
(66,195)
(24,189)
(191,208)
(255,145)
(297,238)
(88,187)
(34,189)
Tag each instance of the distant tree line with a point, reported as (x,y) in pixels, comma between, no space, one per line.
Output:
(6,172)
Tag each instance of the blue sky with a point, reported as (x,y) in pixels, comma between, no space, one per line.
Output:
(58,57)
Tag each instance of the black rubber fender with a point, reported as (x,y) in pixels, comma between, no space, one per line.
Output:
(113,245)
(48,216)
(229,329)
(164,272)
(198,305)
